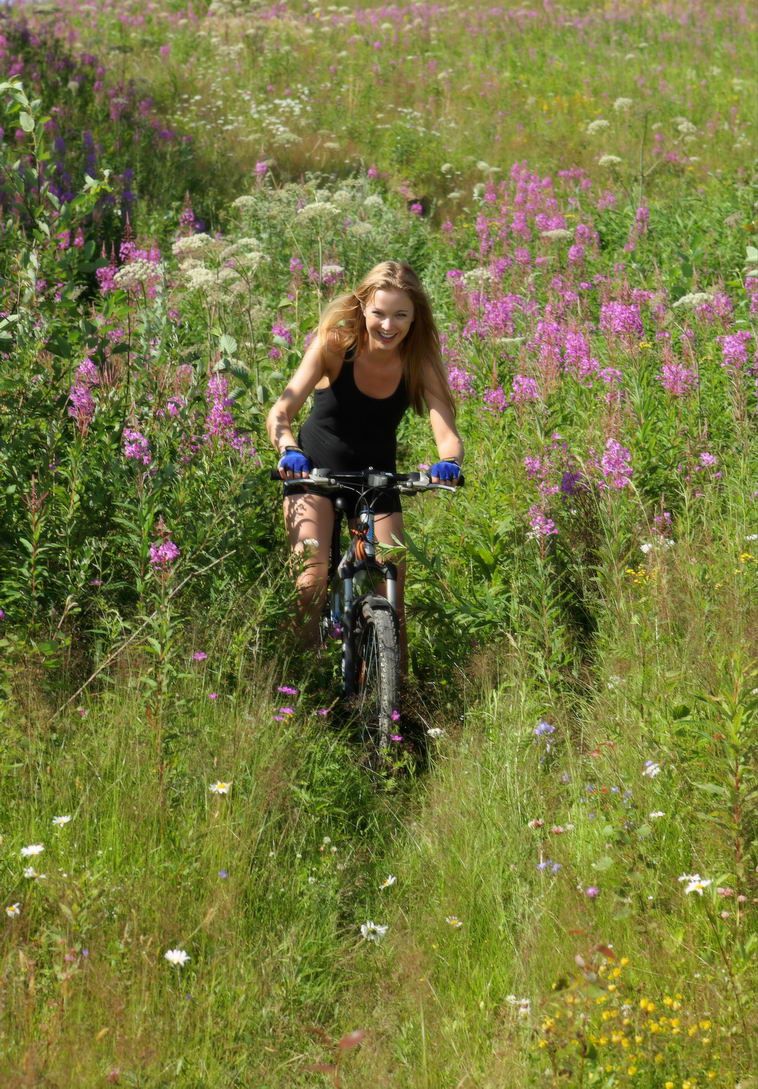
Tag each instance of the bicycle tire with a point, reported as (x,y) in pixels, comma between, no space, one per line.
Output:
(377,665)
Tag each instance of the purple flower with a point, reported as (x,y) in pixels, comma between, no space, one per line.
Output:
(286,710)
(495,400)
(543,728)
(261,168)
(82,405)
(136,447)
(708,461)
(734,348)
(621,320)
(548,864)
(395,716)
(288,690)
(677,379)
(396,737)
(542,525)
(2,614)
(199,656)
(163,554)
(461,382)
(615,464)
(592,891)
(223,874)
(524,389)
(213,695)
(323,711)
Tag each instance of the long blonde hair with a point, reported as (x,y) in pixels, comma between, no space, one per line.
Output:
(343,325)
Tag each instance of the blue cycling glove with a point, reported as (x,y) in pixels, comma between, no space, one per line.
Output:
(445,471)
(295,461)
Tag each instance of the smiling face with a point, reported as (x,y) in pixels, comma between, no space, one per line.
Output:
(389,316)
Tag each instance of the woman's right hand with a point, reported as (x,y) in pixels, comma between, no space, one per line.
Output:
(294,464)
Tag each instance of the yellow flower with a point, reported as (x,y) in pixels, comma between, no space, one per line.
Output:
(624,961)
(631,1071)
(668,1085)
(705,1025)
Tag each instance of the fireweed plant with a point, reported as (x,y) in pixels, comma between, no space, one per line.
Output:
(202,884)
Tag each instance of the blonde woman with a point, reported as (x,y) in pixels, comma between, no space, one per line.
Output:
(375,355)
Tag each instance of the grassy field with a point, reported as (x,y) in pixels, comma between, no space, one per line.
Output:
(203,885)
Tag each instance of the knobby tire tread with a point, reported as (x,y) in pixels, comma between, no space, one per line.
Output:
(377,630)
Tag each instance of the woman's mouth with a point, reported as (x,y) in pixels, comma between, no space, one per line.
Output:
(386,336)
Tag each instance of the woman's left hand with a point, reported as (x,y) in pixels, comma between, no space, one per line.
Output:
(445,472)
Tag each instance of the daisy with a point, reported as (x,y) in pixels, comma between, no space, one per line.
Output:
(373,932)
(220,787)
(31,850)
(389,880)
(177,957)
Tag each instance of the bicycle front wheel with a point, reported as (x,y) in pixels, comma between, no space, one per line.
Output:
(377,673)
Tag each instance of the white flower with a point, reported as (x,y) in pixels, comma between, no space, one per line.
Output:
(60,821)
(651,770)
(31,850)
(609,160)
(454,922)
(752,537)
(13,910)
(177,957)
(695,883)
(193,245)
(373,932)
(435,732)
(623,104)
(31,874)
(696,298)
(332,270)
(656,814)
(686,127)
(646,547)
(523,1006)
(390,879)
(599,125)
(220,787)
(373,201)
(557,233)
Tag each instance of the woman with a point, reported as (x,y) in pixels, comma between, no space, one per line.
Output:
(376,354)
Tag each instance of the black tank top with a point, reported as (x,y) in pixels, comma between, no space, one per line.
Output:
(347,429)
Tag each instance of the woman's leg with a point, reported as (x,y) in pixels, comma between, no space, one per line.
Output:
(389,531)
(309,521)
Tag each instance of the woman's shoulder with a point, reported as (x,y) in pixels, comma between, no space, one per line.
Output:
(333,354)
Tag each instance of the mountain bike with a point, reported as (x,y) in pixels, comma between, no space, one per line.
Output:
(361,603)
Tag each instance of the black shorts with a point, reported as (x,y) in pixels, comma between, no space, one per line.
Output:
(384,503)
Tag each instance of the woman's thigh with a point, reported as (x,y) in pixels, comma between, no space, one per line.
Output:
(309,520)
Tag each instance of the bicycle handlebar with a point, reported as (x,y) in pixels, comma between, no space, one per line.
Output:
(375,479)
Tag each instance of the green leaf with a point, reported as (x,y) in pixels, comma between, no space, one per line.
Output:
(26,121)
(604,863)
(227,344)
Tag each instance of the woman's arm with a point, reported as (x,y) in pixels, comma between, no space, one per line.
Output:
(315,364)
(442,420)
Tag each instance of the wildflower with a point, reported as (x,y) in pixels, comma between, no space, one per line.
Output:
(396,737)
(261,168)
(599,125)
(31,874)
(454,922)
(651,769)
(435,732)
(695,883)
(199,656)
(734,349)
(609,160)
(623,104)
(389,880)
(523,1006)
(323,711)
(524,389)
(220,787)
(32,850)
(656,814)
(621,319)
(695,298)
(677,379)
(213,695)
(177,957)
(395,716)
(13,910)
(543,728)
(135,446)
(373,932)
(615,464)
(223,874)
(286,710)
(548,864)
(725,891)
(59,822)
(163,554)
(592,891)
(542,525)
(537,822)
(288,690)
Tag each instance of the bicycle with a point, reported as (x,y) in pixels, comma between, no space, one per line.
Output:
(365,620)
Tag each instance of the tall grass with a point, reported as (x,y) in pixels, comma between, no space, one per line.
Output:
(560,877)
